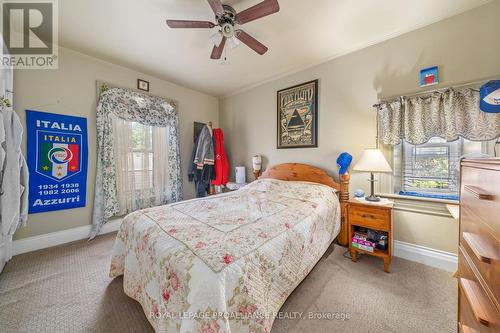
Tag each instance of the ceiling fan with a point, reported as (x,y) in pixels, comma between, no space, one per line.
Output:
(227,19)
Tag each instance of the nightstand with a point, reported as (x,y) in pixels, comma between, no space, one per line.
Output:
(375,216)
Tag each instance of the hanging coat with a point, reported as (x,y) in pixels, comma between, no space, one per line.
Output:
(202,168)
(13,174)
(221,163)
(205,149)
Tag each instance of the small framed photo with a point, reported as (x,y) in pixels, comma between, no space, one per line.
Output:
(142,85)
(429,76)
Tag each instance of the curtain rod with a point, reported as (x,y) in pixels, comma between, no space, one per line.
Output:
(429,92)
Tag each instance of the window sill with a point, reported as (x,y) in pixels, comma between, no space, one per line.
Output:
(430,206)
(409,197)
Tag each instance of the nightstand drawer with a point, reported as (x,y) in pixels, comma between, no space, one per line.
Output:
(369,217)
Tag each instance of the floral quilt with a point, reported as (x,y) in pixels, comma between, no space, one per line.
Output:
(225,263)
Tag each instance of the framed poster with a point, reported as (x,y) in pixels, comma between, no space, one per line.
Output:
(57,157)
(298,116)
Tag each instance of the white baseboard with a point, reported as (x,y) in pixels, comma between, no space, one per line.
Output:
(431,257)
(60,237)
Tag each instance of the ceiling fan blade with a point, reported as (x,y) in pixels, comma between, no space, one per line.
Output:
(217,51)
(266,7)
(251,42)
(216,7)
(189,24)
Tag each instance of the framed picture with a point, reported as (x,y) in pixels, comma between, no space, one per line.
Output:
(429,76)
(298,116)
(142,85)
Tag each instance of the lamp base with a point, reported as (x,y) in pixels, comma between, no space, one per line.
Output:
(372,198)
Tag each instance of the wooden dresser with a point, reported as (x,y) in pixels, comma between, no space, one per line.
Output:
(479,248)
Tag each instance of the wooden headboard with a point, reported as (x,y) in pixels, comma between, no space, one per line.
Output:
(309,173)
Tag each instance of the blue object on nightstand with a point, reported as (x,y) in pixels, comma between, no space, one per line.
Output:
(359,193)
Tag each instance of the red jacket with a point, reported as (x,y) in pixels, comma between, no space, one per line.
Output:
(221,163)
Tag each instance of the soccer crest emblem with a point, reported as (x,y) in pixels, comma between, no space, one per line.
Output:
(58,154)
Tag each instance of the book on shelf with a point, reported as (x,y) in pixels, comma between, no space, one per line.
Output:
(362,247)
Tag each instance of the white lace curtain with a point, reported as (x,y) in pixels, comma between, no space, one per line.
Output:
(120,112)
(448,114)
(142,172)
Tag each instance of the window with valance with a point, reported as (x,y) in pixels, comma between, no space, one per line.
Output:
(138,154)
(429,134)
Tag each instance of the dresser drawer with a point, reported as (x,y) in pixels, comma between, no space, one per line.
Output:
(467,320)
(483,249)
(481,194)
(372,217)
(475,307)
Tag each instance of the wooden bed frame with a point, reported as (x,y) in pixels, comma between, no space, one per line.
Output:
(309,173)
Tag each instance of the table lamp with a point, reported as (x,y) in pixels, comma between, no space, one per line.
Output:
(372,160)
(257,166)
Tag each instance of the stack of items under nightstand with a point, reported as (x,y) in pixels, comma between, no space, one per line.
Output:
(368,240)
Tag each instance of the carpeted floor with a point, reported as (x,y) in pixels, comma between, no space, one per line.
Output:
(67,289)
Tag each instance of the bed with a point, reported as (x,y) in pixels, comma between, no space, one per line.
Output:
(227,263)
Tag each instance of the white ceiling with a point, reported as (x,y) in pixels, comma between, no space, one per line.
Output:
(133,33)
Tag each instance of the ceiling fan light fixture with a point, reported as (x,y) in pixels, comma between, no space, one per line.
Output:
(233,42)
(227,30)
(216,39)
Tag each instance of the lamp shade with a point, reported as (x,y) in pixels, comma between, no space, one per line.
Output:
(372,160)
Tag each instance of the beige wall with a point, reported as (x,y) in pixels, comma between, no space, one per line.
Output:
(466,48)
(74,86)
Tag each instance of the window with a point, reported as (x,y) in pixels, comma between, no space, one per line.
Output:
(431,169)
(140,170)
(142,173)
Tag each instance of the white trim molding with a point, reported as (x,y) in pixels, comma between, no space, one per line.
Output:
(420,205)
(60,237)
(431,257)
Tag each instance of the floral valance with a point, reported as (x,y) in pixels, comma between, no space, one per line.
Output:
(137,107)
(448,114)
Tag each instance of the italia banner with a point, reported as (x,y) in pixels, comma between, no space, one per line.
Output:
(57,160)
